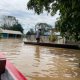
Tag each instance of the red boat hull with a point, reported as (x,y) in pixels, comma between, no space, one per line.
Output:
(12,71)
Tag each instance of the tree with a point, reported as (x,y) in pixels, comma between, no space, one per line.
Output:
(30,32)
(43,26)
(8,21)
(11,23)
(17,27)
(53,38)
(69,22)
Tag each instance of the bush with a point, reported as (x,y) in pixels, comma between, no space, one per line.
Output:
(52,38)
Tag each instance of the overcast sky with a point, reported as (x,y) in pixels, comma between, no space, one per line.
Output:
(27,18)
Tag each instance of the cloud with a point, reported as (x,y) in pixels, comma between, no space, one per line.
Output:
(27,18)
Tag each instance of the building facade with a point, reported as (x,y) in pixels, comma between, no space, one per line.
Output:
(10,33)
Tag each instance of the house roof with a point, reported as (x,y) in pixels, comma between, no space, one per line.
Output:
(49,33)
(9,31)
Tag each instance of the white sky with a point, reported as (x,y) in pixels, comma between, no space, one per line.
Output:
(27,18)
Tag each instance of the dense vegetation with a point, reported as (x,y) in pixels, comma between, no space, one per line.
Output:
(30,32)
(44,27)
(69,22)
(11,23)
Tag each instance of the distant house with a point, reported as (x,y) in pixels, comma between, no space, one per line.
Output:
(52,31)
(55,32)
(10,33)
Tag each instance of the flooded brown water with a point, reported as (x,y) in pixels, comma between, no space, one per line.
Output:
(42,63)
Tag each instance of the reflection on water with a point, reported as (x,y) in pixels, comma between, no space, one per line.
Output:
(42,63)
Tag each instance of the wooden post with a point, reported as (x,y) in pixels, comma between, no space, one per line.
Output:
(2,66)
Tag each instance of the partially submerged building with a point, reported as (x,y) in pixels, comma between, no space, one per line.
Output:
(10,33)
(56,33)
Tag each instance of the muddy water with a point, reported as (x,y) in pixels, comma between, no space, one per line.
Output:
(42,63)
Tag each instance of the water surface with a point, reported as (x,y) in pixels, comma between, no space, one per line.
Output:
(42,63)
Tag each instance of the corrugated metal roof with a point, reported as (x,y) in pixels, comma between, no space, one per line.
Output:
(10,31)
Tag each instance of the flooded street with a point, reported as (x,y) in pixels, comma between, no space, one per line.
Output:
(42,63)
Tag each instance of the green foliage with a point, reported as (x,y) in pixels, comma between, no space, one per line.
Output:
(69,22)
(11,23)
(39,5)
(30,32)
(17,27)
(43,26)
(52,38)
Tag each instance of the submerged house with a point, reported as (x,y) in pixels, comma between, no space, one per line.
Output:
(10,33)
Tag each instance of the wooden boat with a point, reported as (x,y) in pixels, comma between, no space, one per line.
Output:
(69,46)
(8,71)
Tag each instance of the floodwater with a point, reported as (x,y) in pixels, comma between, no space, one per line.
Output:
(42,63)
